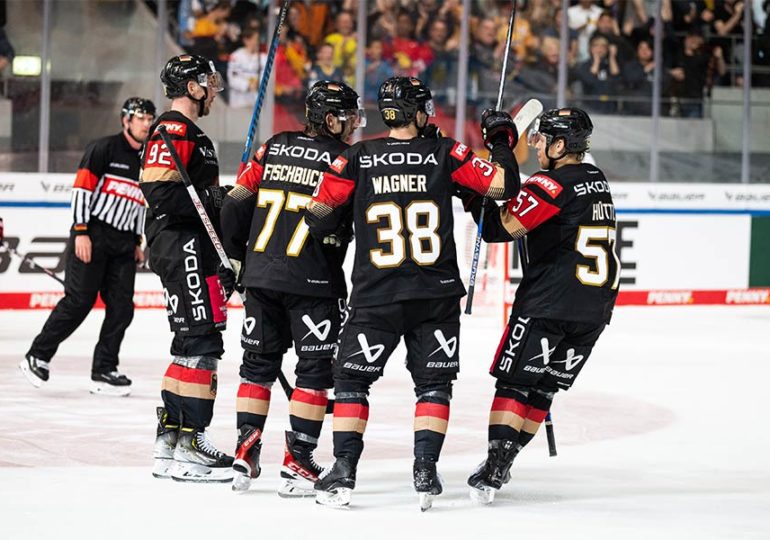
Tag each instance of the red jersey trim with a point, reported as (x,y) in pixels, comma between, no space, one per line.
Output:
(175,128)
(549,185)
(85,179)
(334,191)
(460,151)
(339,164)
(531,210)
(251,177)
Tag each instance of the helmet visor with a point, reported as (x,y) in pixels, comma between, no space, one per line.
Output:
(357,116)
(534,135)
(212,81)
(430,108)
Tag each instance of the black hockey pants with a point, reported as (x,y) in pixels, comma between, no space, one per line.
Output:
(110,273)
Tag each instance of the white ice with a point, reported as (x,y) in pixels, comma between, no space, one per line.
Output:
(665,434)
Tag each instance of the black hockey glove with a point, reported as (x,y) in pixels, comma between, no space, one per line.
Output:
(230,278)
(431,131)
(496,127)
(217,195)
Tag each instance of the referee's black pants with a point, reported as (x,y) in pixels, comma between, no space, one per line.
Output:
(111,272)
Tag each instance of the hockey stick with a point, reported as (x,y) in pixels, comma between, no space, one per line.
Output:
(31,262)
(287,388)
(477,245)
(246,156)
(549,435)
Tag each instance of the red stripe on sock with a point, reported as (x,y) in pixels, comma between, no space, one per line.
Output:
(354,410)
(536,415)
(254,391)
(189,375)
(508,404)
(311,397)
(436,410)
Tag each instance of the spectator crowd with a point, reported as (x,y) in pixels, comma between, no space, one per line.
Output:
(610,53)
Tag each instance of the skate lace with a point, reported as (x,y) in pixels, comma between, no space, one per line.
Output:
(205,445)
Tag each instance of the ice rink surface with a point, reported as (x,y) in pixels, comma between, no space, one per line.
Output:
(665,435)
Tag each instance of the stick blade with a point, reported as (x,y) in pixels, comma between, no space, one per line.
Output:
(527,114)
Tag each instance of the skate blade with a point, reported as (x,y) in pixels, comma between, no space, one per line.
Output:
(33,379)
(194,472)
(294,488)
(241,482)
(426,501)
(482,495)
(162,467)
(104,389)
(337,498)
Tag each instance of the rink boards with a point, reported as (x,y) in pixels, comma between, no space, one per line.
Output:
(678,244)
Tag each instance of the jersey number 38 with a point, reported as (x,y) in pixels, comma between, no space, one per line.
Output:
(422,222)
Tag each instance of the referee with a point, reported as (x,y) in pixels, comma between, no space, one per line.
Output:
(104,248)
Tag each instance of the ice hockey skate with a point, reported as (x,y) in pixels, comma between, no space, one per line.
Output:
(335,488)
(35,370)
(165,443)
(197,460)
(493,472)
(427,482)
(246,463)
(113,383)
(300,471)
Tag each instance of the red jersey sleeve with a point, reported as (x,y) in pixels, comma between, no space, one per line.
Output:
(475,173)
(157,163)
(252,174)
(537,202)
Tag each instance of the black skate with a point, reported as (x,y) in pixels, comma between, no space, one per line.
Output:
(495,471)
(35,370)
(110,384)
(427,482)
(334,489)
(299,471)
(165,443)
(246,464)
(197,460)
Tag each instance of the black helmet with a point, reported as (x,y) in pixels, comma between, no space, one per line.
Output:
(331,97)
(400,98)
(135,105)
(572,125)
(188,67)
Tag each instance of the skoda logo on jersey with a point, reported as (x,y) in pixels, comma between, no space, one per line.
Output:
(571,361)
(248,324)
(371,354)
(448,346)
(320,331)
(172,301)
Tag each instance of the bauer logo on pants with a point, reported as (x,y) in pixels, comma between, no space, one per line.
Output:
(448,346)
(320,331)
(248,324)
(172,300)
(371,354)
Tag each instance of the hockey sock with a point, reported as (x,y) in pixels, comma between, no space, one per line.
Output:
(252,404)
(431,418)
(508,413)
(538,406)
(351,412)
(307,409)
(189,389)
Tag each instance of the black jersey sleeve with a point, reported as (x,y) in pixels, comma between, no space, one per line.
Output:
(92,167)
(329,212)
(238,208)
(161,182)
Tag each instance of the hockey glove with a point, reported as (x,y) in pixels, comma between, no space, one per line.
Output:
(217,195)
(497,127)
(431,131)
(230,278)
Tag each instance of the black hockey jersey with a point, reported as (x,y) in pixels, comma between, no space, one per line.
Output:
(107,187)
(263,220)
(401,192)
(169,204)
(572,268)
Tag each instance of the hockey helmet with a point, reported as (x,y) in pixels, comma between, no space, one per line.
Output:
(333,97)
(571,125)
(189,67)
(400,98)
(135,105)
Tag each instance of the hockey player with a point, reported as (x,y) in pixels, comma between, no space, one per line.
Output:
(295,286)
(566,217)
(184,258)
(405,277)
(104,248)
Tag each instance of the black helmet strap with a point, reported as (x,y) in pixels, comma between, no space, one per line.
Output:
(552,160)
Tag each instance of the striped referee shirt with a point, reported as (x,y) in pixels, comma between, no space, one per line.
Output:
(107,187)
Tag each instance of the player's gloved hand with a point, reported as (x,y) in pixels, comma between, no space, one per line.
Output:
(217,194)
(470,198)
(230,278)
(496,127)
(332,240)
(431,131)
